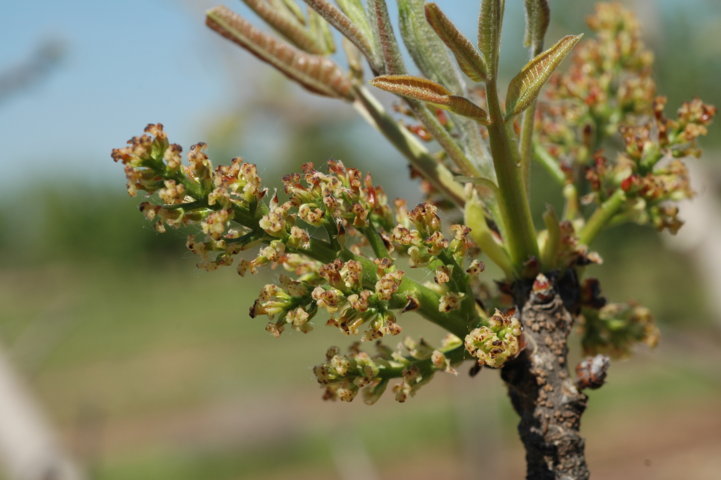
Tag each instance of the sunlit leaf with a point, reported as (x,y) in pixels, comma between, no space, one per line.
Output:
(413,87)
(425,47)
(467,56)
(525,86)
(463,106)
(292,7)
(538,15)
(431,92)
(489,33)
(321,31)
(384,38)
(344,25)
(355,10)
(314,72)
(286,24)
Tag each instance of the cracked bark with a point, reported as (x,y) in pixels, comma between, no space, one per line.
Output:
(543,393)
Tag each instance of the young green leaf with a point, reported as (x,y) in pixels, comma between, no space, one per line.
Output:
(489,33)
(384,38)
(425,48)
(538,15)
(431,92)
(321,31)
(525,86)
(286,24)
(316,73)
(467,56)
(355,10)
(463,106)
(345,26)
(293,8)
(413,87)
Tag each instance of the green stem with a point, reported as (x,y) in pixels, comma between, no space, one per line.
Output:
(438,175)
(474,217)
(526,144)
(319,250)
(603,214)
(549,163)
(550,249)
(459,281)
(572,209)
(455,355)
(444,139)
(513,198)
(428,301)
(375,241)
(529,117)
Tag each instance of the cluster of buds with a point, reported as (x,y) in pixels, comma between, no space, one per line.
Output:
(616,327)
(608,94)
(493,344)
(651,171)
(418,236)
(608,80)
(338,240)
(413,363)
(341,199)
(223,202)
(288,302)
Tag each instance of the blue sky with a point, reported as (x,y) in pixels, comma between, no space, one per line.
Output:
(126,63)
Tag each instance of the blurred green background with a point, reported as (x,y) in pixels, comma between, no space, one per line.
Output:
(150,368)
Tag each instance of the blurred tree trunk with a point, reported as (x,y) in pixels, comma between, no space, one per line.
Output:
(699,238)
(28,447)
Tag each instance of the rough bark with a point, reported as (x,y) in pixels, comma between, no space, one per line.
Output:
(543,393)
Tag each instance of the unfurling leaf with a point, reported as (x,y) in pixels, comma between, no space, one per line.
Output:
(489,33)
(293,8)
(384,38)
(538,15)
(413,87)
(463,106)
(467,56)
(525,86)
(430,92)
(314,72)
(425,47)
(344,25)
(321,31)
(356,12)
(287,24)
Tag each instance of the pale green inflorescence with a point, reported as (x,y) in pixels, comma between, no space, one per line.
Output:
(339,242)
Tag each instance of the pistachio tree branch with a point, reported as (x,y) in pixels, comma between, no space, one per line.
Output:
(407,144)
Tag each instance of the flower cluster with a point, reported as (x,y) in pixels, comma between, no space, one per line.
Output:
(338,288)
(223,202)
(608,98)
(413,363)
(497,342)
(339,242)
(616,327)
(608,80)
(418,236)
(650,171)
